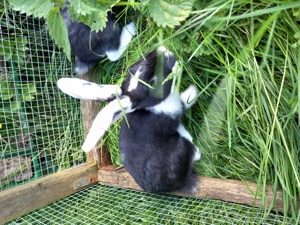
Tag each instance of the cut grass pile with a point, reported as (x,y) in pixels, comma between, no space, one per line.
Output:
(244,58)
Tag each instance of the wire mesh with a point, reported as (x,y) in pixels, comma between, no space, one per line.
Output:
(109,205)
(40,128)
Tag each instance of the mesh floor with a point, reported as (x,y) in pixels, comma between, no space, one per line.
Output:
(109,205)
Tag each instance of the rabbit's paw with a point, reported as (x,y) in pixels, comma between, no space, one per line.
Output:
(131,28)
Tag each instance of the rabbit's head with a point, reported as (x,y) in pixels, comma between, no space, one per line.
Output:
(145,86)
(145,79)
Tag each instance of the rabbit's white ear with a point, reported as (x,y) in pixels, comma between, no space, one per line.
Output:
(82,89)
(108,115)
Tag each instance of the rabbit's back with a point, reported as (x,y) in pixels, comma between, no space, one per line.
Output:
(154,153)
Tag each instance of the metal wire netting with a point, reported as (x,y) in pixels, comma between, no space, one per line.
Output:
(40,128)
(108,205)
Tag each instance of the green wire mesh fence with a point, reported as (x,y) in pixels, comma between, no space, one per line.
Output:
(40,128)
(107,205)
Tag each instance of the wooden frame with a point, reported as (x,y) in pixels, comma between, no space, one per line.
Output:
(210,188)
(25,198)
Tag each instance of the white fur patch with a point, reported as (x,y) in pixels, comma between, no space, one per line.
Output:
(197,155)
(109,114)
(188,97)
(166,52)
(82,89)
(171,106)
(184,133)
(128,32)
(134,80)
(82,69)
(162,49)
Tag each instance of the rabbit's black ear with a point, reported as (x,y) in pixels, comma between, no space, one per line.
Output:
(85,90)
(108,115)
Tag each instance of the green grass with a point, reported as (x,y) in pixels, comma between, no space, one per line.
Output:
(244,59)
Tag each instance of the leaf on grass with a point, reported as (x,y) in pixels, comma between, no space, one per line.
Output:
(58,31)
(92,13)
(170,12)
(6,92)
(80,7)
(14,48)
(37,8)
(95,20)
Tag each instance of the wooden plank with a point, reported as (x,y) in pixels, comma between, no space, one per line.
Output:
(25,198)
(90,109)
(210,188)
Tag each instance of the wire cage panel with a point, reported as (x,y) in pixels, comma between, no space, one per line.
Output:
(40,128)
(109,205)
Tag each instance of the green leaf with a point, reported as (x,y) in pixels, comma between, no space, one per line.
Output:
(28,97)
(37,8)
(96,20)
(15,106)
(91,12)
(170,12)
(58,30)
(6,92)
(27,89)
(59,3)
(13,48)
(81,7)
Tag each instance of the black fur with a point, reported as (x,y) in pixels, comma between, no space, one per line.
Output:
(154,153)
(152,150)
(89,48)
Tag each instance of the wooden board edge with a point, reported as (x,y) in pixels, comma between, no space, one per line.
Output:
(89,110)
(25,198)
(229,190)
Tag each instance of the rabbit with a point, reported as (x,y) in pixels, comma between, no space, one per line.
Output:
(155,147)
(90,47)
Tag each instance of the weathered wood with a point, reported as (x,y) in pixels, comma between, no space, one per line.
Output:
(90,109)
(209,188)
(25,198)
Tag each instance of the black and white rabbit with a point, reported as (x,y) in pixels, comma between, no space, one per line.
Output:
(90,47)
(155,148)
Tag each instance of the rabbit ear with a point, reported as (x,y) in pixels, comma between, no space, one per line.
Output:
(108,115)
(85,90)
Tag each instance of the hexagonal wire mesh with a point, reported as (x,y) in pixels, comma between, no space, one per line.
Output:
(40,128)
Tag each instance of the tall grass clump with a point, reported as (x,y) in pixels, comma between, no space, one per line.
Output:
(244,57)
(246,63)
